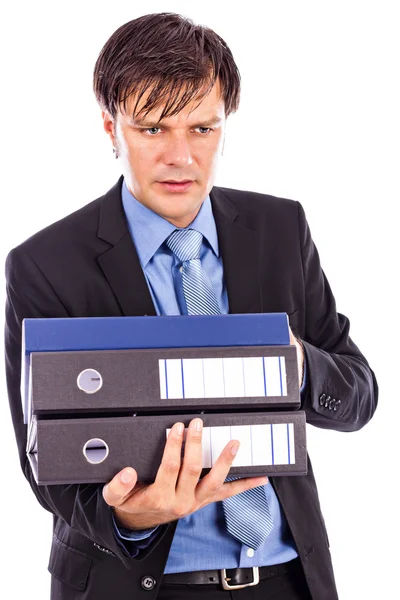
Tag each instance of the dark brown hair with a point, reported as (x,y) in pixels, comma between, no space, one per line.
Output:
(169,55)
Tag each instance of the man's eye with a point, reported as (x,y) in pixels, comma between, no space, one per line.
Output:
(208,129)
(152,130)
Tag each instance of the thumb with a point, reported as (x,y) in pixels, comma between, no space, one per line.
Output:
(116,490)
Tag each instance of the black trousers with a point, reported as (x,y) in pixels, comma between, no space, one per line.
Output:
(290,586)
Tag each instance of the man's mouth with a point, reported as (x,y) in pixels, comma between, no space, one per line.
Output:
(174,185)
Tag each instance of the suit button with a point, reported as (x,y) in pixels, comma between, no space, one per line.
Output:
(332,403)
(322,399)
(328,399)
(338,403)
(148,582)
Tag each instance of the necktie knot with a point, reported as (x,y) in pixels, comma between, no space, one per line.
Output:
(185,243)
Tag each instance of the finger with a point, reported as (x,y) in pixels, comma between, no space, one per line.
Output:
(214,480)
(192,461)
(167,474)
(116,490)
(232,488)
(212,487)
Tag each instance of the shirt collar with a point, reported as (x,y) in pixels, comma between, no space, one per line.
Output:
(149,231)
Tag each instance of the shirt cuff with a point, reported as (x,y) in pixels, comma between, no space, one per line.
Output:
(133,536)
(133,542)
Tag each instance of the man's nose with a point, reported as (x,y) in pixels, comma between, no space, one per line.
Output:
(177,152)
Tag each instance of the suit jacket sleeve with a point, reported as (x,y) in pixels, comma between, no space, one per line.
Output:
(30,295)
(341,391)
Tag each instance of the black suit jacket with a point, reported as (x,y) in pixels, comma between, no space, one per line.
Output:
(86,266)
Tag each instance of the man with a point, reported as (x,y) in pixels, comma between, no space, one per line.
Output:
(166,87)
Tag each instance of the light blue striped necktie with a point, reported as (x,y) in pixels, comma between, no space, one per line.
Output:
(247,515)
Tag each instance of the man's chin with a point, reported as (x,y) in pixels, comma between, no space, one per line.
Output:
(180,218)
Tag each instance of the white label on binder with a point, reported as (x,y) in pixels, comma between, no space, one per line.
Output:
(244,455)
(219,437)
(291,449)
(260,445)
(175,386)
(194,377)
(233,377)
(280,444)
(273,375)
(213,378)
(253,376)
(282,373)
(162,367)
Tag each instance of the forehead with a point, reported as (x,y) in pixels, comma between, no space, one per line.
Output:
(212,104)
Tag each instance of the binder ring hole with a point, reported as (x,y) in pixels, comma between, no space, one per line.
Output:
(95,451)
(89,381)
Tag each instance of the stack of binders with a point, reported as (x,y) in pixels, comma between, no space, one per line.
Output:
(101,394)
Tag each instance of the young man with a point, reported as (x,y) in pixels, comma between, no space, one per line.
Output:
(166,87)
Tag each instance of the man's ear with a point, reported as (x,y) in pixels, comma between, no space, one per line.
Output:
(109,125)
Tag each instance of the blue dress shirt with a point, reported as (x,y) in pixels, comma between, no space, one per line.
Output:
(201,541)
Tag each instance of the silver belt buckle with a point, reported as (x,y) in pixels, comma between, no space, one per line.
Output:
(225,580)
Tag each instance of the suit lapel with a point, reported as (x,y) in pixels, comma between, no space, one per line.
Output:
(239,246)
(120,264)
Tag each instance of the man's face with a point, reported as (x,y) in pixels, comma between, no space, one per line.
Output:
(185,147)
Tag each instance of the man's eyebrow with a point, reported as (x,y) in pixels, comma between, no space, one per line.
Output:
(149,124)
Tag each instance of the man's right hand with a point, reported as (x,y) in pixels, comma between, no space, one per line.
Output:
(176,491)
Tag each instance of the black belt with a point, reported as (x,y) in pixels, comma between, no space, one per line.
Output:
(231,579)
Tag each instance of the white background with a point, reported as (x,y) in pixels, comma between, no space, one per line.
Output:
(318,123)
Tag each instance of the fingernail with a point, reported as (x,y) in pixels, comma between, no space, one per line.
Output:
(198,424)
(235,448)
(180,428)
(127,476)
